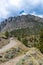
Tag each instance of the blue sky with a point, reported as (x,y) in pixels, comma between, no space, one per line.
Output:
(20,7)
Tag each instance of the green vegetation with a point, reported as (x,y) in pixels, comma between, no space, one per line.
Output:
(21,32)
(25,42)
(25,36)
(19,38)
(41,42)
(7,34)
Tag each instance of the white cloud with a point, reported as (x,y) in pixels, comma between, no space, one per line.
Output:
(34,13)
(34,2)
(3,10)
(23,13)
(15,3)
(6,6)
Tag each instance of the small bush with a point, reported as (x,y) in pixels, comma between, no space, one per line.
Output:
(19,38)
(7,34)
(25,42)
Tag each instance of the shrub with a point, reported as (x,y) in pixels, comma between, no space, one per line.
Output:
(41,41)
(7,34)
(40,44)
(25,42)
(19,38)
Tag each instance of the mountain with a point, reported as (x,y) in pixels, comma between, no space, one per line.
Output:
(22,46)
(20,22)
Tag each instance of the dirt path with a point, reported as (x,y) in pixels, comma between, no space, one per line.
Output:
(11,44)
(13,61)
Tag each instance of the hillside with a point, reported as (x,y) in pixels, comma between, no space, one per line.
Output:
(16,53)
(20,22)
(21,40)
(11,50)
(32,57)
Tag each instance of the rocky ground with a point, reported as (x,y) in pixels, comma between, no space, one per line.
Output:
(16,53)
(32,57)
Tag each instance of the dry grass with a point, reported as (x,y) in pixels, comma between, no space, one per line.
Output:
(3,42)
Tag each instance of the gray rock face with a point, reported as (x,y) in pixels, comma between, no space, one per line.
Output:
(24,21)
